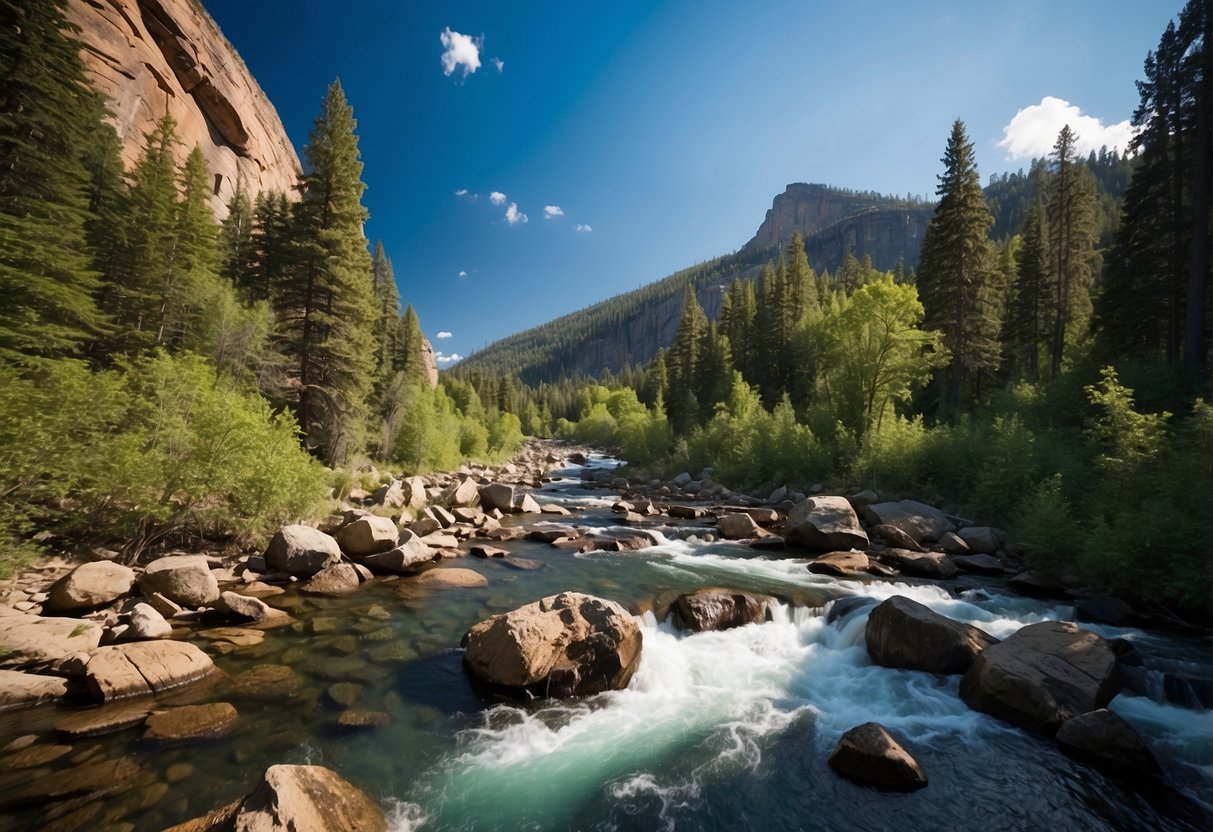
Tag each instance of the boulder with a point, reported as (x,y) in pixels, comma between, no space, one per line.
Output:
(1105,611)
(368,536)
(413,489)
(528,505)
(191,722)
(390,495)
(272,682)
(863,499)
(90,780)
(920,521)
(301,550)
(737,526)
(896,538)
(827,523)
(569,644)
(32,641)
(1103,739)
(952,544)
(242,606)
(1037,586)
(144,667)
(422,527)
(337,579)
(305,799)
(868,753)
(840,564)
(484,550)
(89,586)
(403,560)
(1043,675)
(146,623)
(439,515)
(183,579)
(97,722)
(720,609)
(453,577)
(982,540)
(922,564)
(497,496)
(905,634)
(978,564)
(20,690)
(463,493)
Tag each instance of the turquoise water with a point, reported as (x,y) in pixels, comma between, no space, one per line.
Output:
(716,731)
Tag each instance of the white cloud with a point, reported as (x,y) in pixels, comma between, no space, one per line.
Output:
(583,227)
(444,334)
(498,64)
(1033,131)
(443,359)
(513,216)
(461,192)
(497,198)
(461,51)
(462,273)
(550,211)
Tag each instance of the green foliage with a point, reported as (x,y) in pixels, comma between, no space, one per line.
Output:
(1047,530)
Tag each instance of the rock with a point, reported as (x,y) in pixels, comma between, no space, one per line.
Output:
(919,520)
(264,681)
(390,495)
(438,540)
(982,540)
(466,515)
(922,564)
(553,508)
(827,523)
(978,564)
(343,694)
(89,586)
(1105,611)
(1105,740)
(183,579)
(307,799)
(96,722)
(847,605)
(569,644)
(737,527)
(863,499)
(951,544)
(1037,586)
(440,515)
(337,579)
(721,609)
(896,538)
(463,493)
(144,667)
(146,623)
(301,550)
(527,505)
(165,606)
(424,526)
(778,495)
(403,560)
(368,535)
(681,480)
(413,489)
(902,633)
(497,496)
(21,690)
(31,641)
(33,756)
(191,722)
(91,780)
(452,577)
(242,606)
(1042,675)
(840,564)
(483,550)
(772,543)
(687,512)
(357,719)
(868,753)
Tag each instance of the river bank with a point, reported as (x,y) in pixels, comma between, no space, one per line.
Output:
(715,727)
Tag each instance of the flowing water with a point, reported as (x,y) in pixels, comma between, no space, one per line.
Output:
(721,730)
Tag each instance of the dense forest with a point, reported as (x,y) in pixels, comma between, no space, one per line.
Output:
(1046,366)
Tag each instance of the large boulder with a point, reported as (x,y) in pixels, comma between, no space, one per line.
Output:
(89,586)
(721,609)
(390,495)
(20,690)
(1103,739)
(414,492)
(922,564)
(896,538)
(144,667)
(982,540)
(301,550)
(32,641)
(569,644)
(463,493)
(826,523)
(903,633)
(183,579)
(145,622)
(737,526)
(338,579)
(191,722)
(840,564)
(1043,675)
(497,496)
(244,606)
(405,559)
(367,536)
(919,520)
(868,753)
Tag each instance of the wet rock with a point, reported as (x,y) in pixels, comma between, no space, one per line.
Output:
(869,753)
(89,586)
(144,667)
(97,722)
(21,690)
(483,550)
(844,607)
(902,633)
(243,606)
(358,719)
(33,756)
(90,780)
(896,538)
(528,505)
(183,579)
(827,523)
(192,722)
(688,512)
(367,536)
(32,641)
(343,694)
(497,496)
(554,509)
(1037,586)
(308,798)
(982,540)
(569,644)
(721,609)
(772,543)
(336,579)
(264,681)
(1105,611)
(521,564)
(920,521)
(978,564)
(234,636)
(301,550)
(840,564)
(737,526)
(403,560)
(1103,739)
(1043,675)
(922,564)
(452,577)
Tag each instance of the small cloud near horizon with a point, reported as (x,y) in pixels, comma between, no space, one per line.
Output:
(513,216)
(550,211)
(498,64)
(443,359)
(461,51)
(461,192)
(583,227)
(497,198)
(1033,131)
(462,273)
(444,334)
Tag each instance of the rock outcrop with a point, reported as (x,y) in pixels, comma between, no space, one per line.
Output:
(1103,739)
(721,609)
(301,550)
(90,585)
(869,753)
(903,633)
(826,523)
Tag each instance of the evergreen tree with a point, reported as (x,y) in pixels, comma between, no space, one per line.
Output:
(1026,322)
(955,272)
(737,313)
(683,406)
(237,251)
(327,303)
(766,345)
(48,117)
(196,255)
(1070,212)
(656,382)
(272,251)
(713,372)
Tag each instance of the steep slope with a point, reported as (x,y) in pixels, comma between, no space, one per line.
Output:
(152,57)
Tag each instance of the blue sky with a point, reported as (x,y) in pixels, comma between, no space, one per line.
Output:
(664,130)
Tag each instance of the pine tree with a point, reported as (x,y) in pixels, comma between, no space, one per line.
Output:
(713,371)
(1070,212)
(656,382)
(737,313)
(196,255)
(272,249)
(1026,322)
(683,406)
(955,272)
(326,304)
(237,251)
(48,117)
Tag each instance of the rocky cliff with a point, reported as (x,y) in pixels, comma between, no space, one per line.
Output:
(152,57)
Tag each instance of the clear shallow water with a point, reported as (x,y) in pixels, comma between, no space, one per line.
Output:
(716,731)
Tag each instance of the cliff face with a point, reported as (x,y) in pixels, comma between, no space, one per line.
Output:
(152,57)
